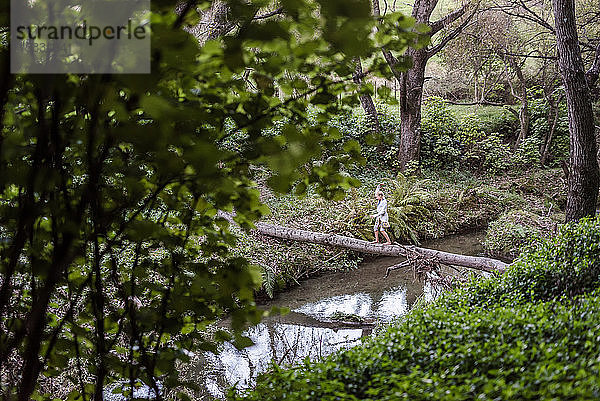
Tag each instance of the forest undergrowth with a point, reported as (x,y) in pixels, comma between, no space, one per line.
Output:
(512,208)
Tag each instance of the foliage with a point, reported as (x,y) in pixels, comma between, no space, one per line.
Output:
(478,140)
(508,235)
(378,149)
(497,119)
(439,146)
(542,118)
(491,118)
(527,155)
(285,263)
(489,154)
(405,208)
(469,130)
(528,334)
(450,203)
(567,264)
(115,258)
(449,142)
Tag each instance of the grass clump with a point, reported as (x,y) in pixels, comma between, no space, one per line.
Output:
(530,334)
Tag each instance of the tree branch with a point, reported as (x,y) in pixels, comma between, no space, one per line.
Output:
(527,56)
(508,10)
(591,76)
(447,20)
(389,57)
(436,49)
(535,16)
(269,14)
(482,102)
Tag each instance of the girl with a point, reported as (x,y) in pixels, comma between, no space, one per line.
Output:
(381,217)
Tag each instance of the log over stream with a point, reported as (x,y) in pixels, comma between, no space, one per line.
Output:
(397,250)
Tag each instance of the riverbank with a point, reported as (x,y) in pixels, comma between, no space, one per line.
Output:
(513,208)
(527,334)
(329,313)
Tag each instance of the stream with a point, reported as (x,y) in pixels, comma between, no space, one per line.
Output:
(309,330)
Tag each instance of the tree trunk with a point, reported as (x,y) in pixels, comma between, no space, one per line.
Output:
(582,181)
(353,244)
(523,114)
(545,151)
(552,121)
(412,81)
(411,96)
(365,99)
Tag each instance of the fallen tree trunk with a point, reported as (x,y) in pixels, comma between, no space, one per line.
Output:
(473,262)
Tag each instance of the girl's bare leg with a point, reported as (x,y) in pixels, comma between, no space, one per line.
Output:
(376,238)
(387,237)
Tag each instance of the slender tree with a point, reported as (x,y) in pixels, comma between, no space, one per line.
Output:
(366,101)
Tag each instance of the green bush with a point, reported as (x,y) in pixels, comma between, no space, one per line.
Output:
(469,129)
(440,148)
(514,229)
(405,208)
(527,154)
(492,118)
(530,334)
(565,265)
(497,119)
(449,142)
(379,149)
(488,154)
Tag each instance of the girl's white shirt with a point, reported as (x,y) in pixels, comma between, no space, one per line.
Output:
(382,210)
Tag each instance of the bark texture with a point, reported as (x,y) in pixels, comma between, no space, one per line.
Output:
(366,101)
(474,262)
(582,180)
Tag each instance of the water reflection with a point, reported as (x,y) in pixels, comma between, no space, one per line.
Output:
(393,303)
(309,331)
(356,304)
(282,343)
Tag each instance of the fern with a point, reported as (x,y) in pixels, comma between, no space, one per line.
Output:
(269,280)
(405,208)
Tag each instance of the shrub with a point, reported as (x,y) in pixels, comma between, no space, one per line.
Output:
(541,119)
(497,119)
(527,154)
(449,143)
(566,265)
(439,146)
(378,149)
(488,154)
(469,129)
(514,229)
(405,207)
